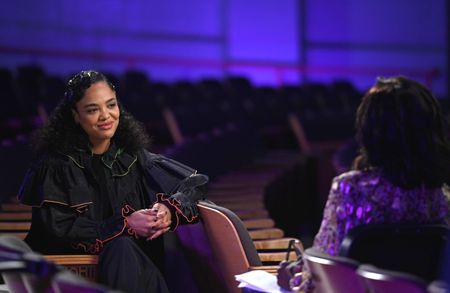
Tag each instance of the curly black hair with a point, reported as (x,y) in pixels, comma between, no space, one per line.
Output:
(62,134)
(402,132)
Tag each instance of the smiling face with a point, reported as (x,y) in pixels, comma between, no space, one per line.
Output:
(98,114)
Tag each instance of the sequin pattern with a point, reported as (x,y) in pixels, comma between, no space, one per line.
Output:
(363,197)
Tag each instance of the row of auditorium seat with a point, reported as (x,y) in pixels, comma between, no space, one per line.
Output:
(385,258)
(337,274)
(243,174)
(326,111)
(29,94)
(414,251)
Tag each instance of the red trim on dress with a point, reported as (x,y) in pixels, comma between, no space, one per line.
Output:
(98,245)
(162,198)
(126,211)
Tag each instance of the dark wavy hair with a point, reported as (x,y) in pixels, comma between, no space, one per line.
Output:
(403,133)
(62,134)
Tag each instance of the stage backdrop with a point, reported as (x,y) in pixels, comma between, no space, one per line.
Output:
(271,41)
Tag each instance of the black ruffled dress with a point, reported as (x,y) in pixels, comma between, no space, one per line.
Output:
(80,201)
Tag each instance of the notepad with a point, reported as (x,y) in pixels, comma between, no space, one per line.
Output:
(260,281)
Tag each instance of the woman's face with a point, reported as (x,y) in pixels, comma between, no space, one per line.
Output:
(98,114)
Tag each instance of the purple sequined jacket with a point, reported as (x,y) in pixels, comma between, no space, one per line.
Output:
(364,197)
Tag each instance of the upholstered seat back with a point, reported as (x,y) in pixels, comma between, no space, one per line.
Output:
(385,281)
(233,249)
(415,249)
(332,274)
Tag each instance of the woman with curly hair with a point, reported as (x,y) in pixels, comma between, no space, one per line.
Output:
(95,188)
(401,174)
(403,169)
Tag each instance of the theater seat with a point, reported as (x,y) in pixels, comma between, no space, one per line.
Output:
(232,247)
(385,281)
(413,249)
(22,269)
(26,271)
(83,265)
(11,264)
(332,274)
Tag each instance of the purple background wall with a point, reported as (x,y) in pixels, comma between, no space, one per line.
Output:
(271,41)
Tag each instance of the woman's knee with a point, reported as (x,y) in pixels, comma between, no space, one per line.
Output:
(120,244)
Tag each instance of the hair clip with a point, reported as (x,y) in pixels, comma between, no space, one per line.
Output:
(394,82)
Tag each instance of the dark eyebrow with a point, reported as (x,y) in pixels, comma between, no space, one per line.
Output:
(96,105)
(90,105)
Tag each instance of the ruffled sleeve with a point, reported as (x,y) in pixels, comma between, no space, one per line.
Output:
(52,180)
(181,187)
(58,190)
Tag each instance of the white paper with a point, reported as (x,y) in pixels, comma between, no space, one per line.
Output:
(259,280)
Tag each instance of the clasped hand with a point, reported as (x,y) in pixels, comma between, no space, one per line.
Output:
(150,223)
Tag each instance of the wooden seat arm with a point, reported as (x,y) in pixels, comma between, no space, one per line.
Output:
(73,259)
(269,269)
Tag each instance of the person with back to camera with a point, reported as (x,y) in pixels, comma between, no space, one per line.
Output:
(95,188)
(401,174)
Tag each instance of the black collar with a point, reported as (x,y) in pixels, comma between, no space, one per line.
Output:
(116,159)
